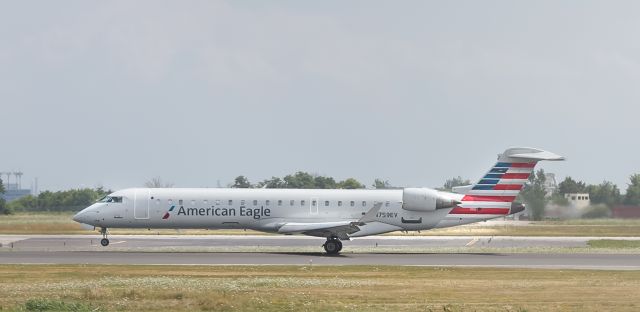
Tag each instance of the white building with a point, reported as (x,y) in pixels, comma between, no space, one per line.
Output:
(578,200)
(550,184)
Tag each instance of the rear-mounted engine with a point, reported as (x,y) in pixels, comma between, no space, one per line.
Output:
(425,199)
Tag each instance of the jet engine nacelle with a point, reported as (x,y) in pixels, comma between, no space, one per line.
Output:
(425,199)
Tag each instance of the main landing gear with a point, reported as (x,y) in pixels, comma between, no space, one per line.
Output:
(105,240)
(332,246)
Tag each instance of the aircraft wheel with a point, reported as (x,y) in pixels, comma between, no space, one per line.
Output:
(332,246)
(339,245)
(104,242)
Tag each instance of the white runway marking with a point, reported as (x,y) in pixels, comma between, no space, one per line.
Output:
(472,242)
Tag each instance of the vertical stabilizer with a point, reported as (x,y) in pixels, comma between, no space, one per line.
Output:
(494,194)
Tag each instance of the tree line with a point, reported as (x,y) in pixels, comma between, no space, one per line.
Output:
(305,180)
(602,196)
(69,200)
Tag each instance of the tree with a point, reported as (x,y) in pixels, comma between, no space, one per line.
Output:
(633,191)
(569,186)
(350,183)
(321,182)
(241,182)
(453,182)
(70,200)
(300,180)
(3,205)
(605,193)
(380,184)
(274,182)
(534,195)
(156,182)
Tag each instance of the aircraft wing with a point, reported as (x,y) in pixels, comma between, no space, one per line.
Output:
(340,229)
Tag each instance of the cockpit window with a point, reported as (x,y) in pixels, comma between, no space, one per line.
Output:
(111,199)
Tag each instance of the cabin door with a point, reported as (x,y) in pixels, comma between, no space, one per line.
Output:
(141,204)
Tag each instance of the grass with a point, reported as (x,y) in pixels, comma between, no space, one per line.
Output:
(317,288)
(613,244)
(61,223)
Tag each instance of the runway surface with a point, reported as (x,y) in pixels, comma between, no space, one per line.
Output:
(298,250)
(68,242)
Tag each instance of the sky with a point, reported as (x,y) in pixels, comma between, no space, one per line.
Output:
(114,93)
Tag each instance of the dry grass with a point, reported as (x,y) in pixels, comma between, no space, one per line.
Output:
(61,223)
(322,288)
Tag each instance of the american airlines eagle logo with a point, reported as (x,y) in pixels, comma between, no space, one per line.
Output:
(168,213)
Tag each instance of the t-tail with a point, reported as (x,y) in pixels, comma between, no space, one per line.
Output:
(494,195)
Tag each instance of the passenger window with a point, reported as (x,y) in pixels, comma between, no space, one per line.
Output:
(255,203)
(267,202)
(302,203)
(193,203)
(279,202)
(242,202)
(313,203)
(205,202)
(230,202)
(326,203)
(386,204)
(364,203)
(217,202)
(291,202)
(339,203)
(353,204)
(180,202)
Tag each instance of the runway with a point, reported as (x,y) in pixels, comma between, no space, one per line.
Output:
(86,242)
(299,250)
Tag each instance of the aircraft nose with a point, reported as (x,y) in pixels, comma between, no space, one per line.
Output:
(81,216)
(78,217)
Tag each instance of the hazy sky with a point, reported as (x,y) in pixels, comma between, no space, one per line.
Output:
(115,92)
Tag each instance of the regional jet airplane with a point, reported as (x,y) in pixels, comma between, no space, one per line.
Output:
(332,214)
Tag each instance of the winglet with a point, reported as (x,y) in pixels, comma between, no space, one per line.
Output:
(371,214)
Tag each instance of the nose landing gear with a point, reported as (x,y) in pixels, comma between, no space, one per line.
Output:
(105,241)
(332,246)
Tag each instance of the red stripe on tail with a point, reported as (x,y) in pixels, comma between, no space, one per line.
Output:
(515,176)
(508,187)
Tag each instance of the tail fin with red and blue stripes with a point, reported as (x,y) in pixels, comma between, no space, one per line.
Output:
(494,194)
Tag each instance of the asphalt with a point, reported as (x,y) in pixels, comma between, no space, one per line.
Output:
(551,261)
(69,242)
(295,250)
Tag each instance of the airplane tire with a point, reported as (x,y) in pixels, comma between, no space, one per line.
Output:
(332,247)
(104,242)
(339,245)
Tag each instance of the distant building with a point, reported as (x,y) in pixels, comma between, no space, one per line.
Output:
(13,191)
(550,183)
(625,212)
(578,200)
(13,194)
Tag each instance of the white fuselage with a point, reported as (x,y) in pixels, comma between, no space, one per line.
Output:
(263,209)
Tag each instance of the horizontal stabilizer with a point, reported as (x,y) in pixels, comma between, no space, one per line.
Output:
(532,154)
(463,189)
